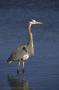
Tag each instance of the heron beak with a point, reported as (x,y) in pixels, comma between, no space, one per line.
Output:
(40,22)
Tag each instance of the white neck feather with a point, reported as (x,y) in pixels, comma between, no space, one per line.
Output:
(31,39)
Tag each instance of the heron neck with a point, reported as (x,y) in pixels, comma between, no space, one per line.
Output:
(30,34)
(31,39)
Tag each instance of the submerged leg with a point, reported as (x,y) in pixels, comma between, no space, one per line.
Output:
(18,67)
(23,66)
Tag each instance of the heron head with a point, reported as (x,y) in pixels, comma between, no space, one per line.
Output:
(35,22)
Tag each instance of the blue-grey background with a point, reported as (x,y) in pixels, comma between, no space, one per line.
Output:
(42,70)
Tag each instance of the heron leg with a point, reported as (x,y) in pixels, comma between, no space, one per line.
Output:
(23,66)
(18,67)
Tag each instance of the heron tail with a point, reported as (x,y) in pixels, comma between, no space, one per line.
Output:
(9,61)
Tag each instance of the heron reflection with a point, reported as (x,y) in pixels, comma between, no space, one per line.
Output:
(18,83)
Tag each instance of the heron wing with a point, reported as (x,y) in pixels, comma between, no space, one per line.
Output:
(18,53)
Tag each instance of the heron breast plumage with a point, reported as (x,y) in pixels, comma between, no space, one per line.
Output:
(26,56)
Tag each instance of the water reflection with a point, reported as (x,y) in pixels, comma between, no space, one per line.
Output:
(18,83)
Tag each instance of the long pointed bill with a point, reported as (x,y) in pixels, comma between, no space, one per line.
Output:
(39,23)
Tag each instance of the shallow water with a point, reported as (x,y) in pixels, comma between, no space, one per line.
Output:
(42,70)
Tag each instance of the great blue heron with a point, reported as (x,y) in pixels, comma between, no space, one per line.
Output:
(23,52)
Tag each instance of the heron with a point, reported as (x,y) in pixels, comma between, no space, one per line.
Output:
(23,52)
